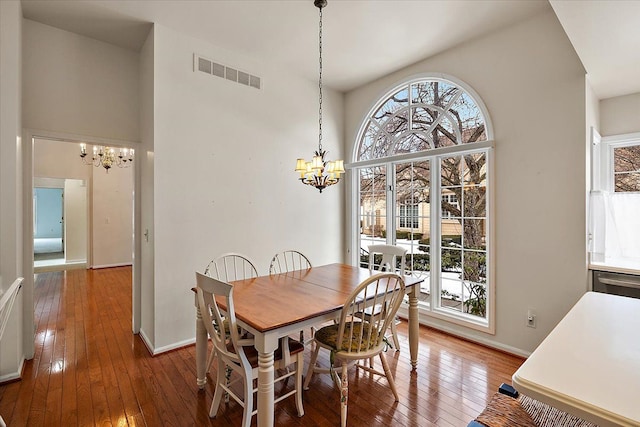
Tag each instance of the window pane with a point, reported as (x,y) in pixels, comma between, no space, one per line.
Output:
(475,282)
(412,143)
(451,171)
(443,138)
(626,159)
(475,234)
(627,182)
(394,103)
(397,124)
(372,209)
(451,292)
(421,118)
(412,217)
(470,119)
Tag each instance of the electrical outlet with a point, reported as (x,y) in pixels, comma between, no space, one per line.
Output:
(531,319)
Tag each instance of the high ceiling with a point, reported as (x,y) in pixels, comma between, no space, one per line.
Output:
(362,40)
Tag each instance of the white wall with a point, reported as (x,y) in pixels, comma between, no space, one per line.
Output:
(224,159)
(112,217)
(110,199)
(75,217)
(79,85)
(11,196)
(144,295)
(533,85)
(620,115)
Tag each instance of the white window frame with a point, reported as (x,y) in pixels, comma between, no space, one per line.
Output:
(434,155)
(603,155)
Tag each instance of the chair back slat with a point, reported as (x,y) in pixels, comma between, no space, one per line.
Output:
(215,319)
(286,261)
(390,254)
(230,267)
(380,290)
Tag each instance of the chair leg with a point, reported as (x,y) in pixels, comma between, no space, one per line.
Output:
(387,373)
(227,380)
(312,364)
(248,400)
(299,368)
(210,359)
(344,395)
(217,396)
(394,332)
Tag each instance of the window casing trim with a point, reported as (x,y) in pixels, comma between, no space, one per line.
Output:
(440,77)
(431,309)
(434,154)
(603,152)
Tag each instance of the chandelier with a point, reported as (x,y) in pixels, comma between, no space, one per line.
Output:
(106,157)
(319,172)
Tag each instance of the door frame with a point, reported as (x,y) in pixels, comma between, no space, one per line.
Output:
(28,136)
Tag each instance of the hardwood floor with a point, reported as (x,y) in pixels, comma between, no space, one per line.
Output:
(89,369)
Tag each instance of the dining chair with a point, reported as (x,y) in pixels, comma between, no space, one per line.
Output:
(231,266)
(353,339)
(227,268)
(238,354)
(389,254)
(286,261)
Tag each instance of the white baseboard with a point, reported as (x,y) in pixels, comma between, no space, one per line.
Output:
(472,337)
(147,342)
(174,346)
(156,351)
(12,376)
(125,264)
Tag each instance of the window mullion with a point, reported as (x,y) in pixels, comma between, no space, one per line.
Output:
(434,233)
(391,205)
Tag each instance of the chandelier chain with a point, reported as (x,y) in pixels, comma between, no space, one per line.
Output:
(320,83)
(320,172)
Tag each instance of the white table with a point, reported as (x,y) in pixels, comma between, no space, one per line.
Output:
(589,365)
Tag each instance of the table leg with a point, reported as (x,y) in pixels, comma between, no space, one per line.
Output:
(201,350)
(265,389)
(414,327)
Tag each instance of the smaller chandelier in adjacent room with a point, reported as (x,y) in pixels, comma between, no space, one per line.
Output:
(320,173)
(107,157)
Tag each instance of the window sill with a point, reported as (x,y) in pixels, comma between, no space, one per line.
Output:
(617,266)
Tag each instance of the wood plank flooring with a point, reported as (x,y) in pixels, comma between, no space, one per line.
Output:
(89,369)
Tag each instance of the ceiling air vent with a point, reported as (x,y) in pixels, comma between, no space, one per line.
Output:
(219,70)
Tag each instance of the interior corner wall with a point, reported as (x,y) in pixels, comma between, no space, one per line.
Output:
(533,84)
(224,180)
(12,350)
(620,115)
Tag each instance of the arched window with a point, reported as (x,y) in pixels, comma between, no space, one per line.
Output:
(422,160)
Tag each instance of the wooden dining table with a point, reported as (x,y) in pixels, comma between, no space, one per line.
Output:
(278,305)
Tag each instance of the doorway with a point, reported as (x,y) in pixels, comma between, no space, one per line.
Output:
(59,223)
(48,226)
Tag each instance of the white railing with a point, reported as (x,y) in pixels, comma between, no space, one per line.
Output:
(6,303)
